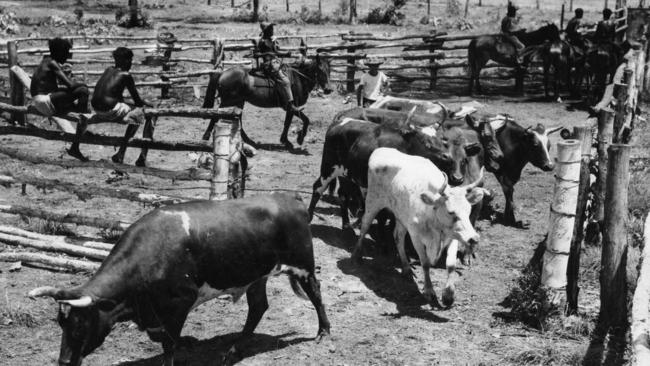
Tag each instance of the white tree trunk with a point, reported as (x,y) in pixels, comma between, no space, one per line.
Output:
(562,218)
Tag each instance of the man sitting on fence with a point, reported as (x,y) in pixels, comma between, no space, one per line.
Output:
(108,103)
(372,85)
(267,45)
(510,28)
(54,92)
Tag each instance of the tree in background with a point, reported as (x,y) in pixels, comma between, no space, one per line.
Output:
(256,10)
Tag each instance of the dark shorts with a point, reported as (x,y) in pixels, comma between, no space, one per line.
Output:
(367,102)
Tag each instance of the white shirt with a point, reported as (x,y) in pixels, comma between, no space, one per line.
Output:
(372,85)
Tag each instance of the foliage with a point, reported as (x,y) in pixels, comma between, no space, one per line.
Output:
(123,19)
(385,15)
(310,16)
(47,227)
(8,22)
(453,7)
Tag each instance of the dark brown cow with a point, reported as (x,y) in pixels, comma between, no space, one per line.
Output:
(180,256)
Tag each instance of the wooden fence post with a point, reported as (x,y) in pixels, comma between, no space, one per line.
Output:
(583,134)
(221,164)
(561,222)
(236,180)
(17,88)
(287,2)
(562,17)
(353,11)
(621,93)
(433,71)
(605,132)
(167,54)
(613,278)
(217,52)
(640,315)
(351,68)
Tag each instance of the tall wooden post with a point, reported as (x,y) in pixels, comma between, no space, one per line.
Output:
(429,7)
(287,3)
(561,221)
(221,164)
(236,180)
(167,54)
(256,10)
(613,278)
(133,13)
(605,132)
(621,94)
(16,86)
(353,11)
(582,134)
(433,70)
(562,17)
(351,68)
(217,53)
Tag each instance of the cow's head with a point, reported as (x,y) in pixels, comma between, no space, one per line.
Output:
(452,206)
(539,146)
(323,73)
(461,151)
(84,321)
(424,142)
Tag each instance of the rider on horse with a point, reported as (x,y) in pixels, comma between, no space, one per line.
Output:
(574,30)
(510,28)
(271,65)
(606,28)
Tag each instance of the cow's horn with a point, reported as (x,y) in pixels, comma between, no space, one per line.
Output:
(410,114)
(44,291)
(82,302)
(473,185)
(553,129)
(444,185)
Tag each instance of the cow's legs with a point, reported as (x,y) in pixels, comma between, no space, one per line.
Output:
(508,192)
(147,133)
(399,234)
(208,131)
(366,220)
(130,132)
(452,276)
(311,287)
(257,305)
(427,291)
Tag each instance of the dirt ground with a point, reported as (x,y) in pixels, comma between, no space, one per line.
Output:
(377,316)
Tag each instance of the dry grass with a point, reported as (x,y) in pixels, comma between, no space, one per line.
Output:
(543,352)
(47,227)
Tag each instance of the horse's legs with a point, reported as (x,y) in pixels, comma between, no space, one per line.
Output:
(208,131)
(147,133)
(305,126)
(285,130)
(130,132)
(547,68)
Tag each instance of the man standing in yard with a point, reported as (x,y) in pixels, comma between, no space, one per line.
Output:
(509,28)
(606,28)
(108,103)
(574,30)
(53,92)
(267,45)
(372,85)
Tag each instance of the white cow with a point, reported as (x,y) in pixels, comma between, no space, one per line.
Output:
(435,215)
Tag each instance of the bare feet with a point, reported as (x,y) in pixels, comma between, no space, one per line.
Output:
(74,152)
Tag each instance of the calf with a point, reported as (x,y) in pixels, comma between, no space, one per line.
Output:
(177,257)
(520,146)
(349,143)
(435,215)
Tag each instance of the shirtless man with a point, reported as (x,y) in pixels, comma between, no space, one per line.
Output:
(53,92)
(108,102)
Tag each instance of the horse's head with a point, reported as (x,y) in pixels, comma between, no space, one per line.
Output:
(323,73)
(550,31)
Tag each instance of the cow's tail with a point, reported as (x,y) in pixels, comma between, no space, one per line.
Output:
(294,281)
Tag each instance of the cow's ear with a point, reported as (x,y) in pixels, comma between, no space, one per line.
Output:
(429,198)
(472,149)
(474,196)
(106,305)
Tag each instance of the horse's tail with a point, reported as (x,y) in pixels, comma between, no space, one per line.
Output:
(211,92)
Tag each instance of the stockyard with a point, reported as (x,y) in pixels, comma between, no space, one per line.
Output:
(514,304)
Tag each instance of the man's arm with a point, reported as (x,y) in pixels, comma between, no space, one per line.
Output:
(385,84)
(359,94)
(128,81)
(61,76)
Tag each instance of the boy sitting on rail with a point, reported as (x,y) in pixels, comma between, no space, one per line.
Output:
(49,97)
(108,102)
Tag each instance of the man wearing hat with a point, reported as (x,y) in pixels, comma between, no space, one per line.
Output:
(372,84)
(268,47)
(509,28)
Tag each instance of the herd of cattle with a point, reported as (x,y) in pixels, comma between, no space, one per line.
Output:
(414,158)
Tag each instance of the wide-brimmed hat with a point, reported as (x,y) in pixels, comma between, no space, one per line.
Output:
(373,62)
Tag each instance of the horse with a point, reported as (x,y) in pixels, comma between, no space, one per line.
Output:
(237,85)
(603,60)
(499,49)
(563,57)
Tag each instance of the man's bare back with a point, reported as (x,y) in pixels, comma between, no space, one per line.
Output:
(110,87)
(44,80)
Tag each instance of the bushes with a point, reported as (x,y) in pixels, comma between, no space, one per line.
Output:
(387,14)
